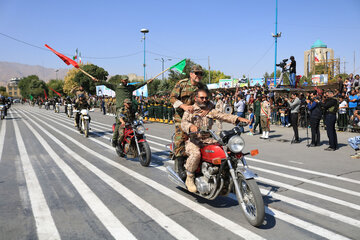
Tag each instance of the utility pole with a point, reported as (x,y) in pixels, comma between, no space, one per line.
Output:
(344,66)
(209,68)
(354,63)
(162,60)
(276,36)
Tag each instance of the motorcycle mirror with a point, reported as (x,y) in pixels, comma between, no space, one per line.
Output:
(254,152)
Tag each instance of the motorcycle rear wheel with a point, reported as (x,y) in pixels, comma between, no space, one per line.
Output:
(145,157)
(253,204)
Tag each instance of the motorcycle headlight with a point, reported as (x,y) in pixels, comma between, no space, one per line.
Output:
(140,129)
(236,144)
(135,122)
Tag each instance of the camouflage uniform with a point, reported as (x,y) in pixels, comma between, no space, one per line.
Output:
(78,92)
(183,93)
(127,115)
(220,107)
(193,145)
(265,115)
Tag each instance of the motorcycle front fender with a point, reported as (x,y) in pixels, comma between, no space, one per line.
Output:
(86,117)
(141,140)
(247,173)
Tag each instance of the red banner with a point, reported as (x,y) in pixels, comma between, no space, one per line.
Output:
(55,92)
(66,60)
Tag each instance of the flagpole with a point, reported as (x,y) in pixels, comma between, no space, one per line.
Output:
(158,74)
(88,75)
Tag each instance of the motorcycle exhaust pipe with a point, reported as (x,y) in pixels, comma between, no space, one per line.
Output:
(175,178)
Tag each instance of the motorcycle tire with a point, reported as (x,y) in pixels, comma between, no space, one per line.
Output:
(253,205)
(145,157)
(86,129)
(2,117)
(119,152)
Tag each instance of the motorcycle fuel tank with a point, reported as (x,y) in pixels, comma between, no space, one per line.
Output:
(213,153)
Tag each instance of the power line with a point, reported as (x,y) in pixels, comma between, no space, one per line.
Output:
(45,49)
(261,58)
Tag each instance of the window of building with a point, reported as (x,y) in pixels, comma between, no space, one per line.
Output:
(15,93)
(10,88)
(15,88)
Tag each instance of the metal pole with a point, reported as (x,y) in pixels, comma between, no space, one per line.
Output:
(209,68)
(162,69)
(144,57)
(354,62)
(276,34)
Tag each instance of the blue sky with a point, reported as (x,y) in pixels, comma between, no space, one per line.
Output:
(236,34)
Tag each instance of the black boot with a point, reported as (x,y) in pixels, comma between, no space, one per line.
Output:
(180,168)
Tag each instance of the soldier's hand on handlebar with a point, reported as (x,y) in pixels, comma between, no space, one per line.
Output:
(193,128)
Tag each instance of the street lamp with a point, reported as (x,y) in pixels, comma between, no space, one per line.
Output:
(56,73)
(144,31)
(162,60)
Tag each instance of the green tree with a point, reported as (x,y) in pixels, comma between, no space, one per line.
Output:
(115,79)
(57,85)
(83,80)
(2,89)
(154,87)
(69,82)
(32,85)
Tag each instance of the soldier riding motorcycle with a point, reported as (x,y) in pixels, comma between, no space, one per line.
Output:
(82,117)
(3,107)
(131,138)
(217,164)
(68,107)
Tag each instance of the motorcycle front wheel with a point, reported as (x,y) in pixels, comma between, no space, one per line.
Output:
(86,128)
(253,204)
(145,157)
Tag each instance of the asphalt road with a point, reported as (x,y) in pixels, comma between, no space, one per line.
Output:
(56,184)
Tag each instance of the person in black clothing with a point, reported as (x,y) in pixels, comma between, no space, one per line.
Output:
(341,84)
(315,117)
(292,69)
(330,107)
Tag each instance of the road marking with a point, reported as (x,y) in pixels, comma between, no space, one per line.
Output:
(176,230)
(279,165)
(2,136)
(308,181)
(108,219)
(212,216)
(300,223)
(294,202)
(341,202)
(45,225)
(311,193)
(296,162)
(304,170)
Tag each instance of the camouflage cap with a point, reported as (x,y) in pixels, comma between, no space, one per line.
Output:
(196,68)
(124,77)
(126,100)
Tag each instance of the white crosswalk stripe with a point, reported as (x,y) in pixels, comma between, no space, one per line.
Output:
(349,222)
(2,136)
(112,224)
(45,225)
(233,227)
(174,229)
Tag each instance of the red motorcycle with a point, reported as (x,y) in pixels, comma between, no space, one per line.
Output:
(223,169)
(134,143)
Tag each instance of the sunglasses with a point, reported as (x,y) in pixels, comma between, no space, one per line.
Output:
(200,74)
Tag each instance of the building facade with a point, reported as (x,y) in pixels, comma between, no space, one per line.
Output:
(12,88)
(318,54)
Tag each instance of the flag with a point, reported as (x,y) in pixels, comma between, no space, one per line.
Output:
(180,66)
(55,91)
(66,60)
(31,97)
(80,57)
(76,55)
(45,94)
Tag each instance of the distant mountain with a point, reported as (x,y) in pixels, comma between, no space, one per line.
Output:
(10,70)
